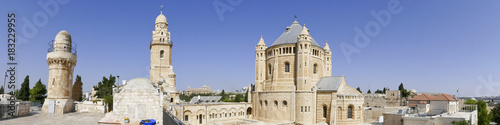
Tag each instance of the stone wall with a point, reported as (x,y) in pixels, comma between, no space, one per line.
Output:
(374,100)
(22,109)
(211,113)
(89,106)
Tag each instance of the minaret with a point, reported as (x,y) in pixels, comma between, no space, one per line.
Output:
(304,47)
(327,60)
(260,64)
(161,71)
(62,61)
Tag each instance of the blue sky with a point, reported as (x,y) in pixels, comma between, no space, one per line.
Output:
(430,46)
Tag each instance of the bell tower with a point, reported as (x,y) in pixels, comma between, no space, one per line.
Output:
(161,70)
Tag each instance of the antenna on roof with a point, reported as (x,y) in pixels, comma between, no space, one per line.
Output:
(295,17)
(161,9)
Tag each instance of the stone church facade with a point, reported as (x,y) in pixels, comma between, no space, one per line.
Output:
(293,83)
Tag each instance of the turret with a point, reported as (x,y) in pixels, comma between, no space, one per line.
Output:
(303,56)
(260,64)
(62,61)
(327,60)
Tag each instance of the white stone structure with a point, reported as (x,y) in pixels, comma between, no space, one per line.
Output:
(138,100)
(161,71)
(293,83)
(61,61)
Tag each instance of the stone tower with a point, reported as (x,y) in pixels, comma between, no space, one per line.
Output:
(303,55)
(260,64)
(161,71)
(327,60)
(62,61)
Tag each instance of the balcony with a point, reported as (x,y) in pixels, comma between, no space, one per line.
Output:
(51,47)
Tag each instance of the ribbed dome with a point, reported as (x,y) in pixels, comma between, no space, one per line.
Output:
(161,19)
(290,35)
(63,37)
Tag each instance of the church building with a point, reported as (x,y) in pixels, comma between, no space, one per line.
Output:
(293,83)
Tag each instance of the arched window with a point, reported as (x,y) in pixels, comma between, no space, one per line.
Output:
(314,68)
(161,53)
(275,103)
(339,112)
(265,102)
(349,111)
(284,103)
(287,67)
(324,111)
(269,67)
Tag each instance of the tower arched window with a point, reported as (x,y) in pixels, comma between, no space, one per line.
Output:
(270,70)
(287,67)
(349,111)
(314,68)
(161,53)
(324,111)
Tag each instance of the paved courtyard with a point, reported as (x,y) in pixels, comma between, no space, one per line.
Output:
(38,118)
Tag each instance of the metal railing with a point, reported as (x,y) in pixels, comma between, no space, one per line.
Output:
(168,42)
(468,108)
(51,47)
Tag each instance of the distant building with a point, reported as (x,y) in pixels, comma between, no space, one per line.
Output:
(394,98)
(432,110)
(203,90)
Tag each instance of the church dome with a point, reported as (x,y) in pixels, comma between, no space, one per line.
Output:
(63,37)
(290,35)
(161,18)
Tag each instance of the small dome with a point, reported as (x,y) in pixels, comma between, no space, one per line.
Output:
(304,30)
(413,91)
(261,41)
(326,46)
(161,18)
(63,36)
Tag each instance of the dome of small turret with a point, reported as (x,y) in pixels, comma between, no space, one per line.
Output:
(63,37)
(161,18)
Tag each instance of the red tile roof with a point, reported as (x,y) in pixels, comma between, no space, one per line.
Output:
(425,97)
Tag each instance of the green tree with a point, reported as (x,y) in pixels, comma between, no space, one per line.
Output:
(404,92)
(2,90)
(104,89)
(379,91)
(385,89)
(482,115)
(223,95)
(24,92)
(470,101)
(38,92)
(246,96)
(77,89)
(495,113)
(359,90)
(369,91)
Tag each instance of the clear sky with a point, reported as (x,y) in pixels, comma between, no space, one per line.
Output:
(430,46)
